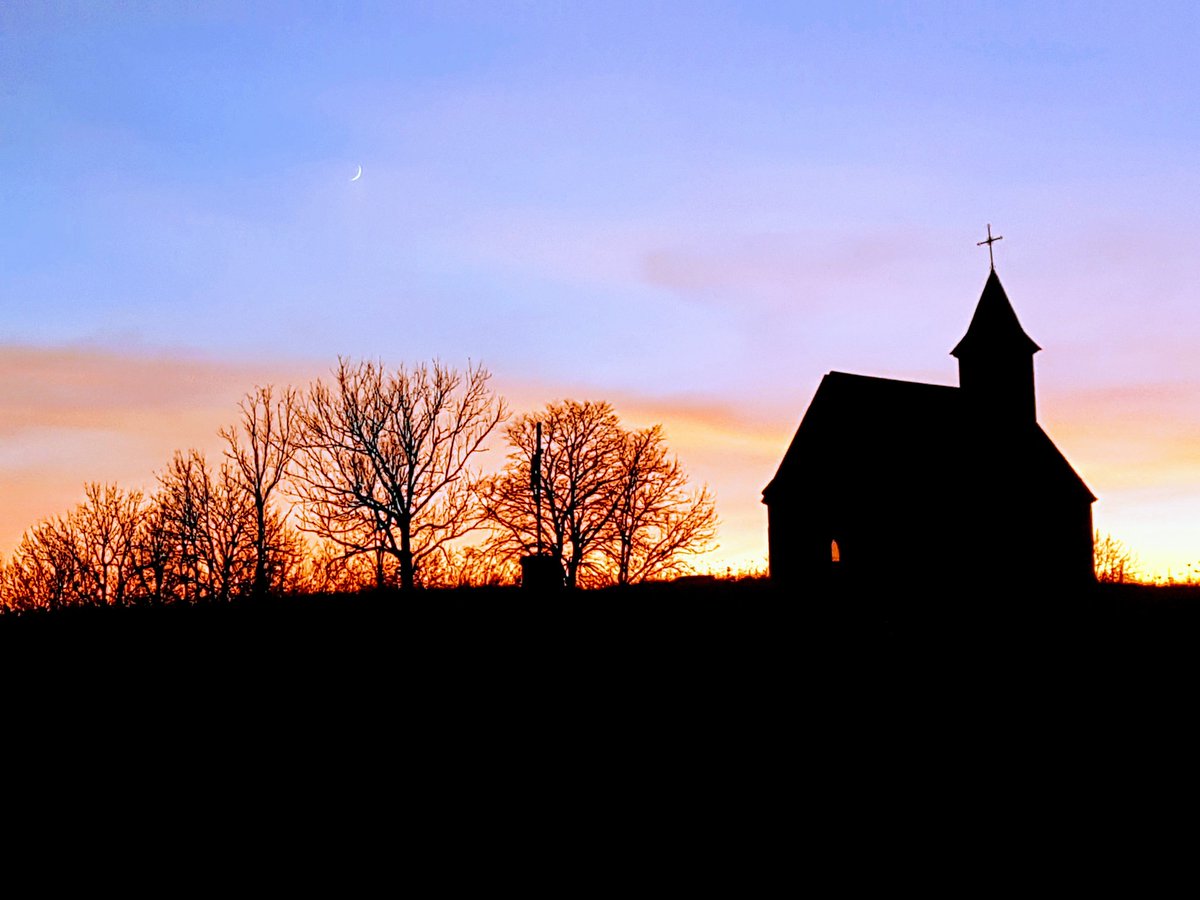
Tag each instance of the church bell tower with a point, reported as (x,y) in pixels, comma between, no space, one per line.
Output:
(995,359)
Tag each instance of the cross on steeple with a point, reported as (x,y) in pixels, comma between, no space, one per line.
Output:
(990,240)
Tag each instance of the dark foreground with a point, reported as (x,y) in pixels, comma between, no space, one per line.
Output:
(729,713)
(698,625)
(710,667)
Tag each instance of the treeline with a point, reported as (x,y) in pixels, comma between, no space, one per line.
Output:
(369,480)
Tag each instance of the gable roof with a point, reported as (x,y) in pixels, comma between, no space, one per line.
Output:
(861,407)
(889,436)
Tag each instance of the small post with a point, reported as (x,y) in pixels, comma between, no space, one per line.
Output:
(540,573)
(535,482)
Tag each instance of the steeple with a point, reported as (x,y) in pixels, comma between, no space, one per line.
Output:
(994,327)
(995,358)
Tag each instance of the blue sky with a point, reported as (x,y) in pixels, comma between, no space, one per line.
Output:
(696,207)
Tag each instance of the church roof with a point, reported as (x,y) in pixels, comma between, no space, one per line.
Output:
(884,437)
(994,327)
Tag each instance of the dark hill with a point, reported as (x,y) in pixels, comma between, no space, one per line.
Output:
(694,623)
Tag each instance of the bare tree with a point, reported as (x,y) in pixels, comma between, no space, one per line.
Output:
(343,500)
(580,468)
(616,508)
(154,552)
(43,571)
(469,566)
(208,519)
(384,461)
(260,449)
(9,589)
(1115,563)
(656,521)
(86,556)
(102,532)
(326,568)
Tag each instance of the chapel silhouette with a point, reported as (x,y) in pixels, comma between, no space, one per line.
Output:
(892,481)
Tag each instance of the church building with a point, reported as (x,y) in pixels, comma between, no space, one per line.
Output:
(891,481)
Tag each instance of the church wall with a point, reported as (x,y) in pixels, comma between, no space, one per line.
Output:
(936,539)
(800,535)
(1049,540)
(1076,558)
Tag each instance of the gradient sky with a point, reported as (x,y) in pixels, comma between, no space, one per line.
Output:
(693,210)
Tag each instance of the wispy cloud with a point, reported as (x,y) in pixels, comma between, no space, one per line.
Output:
(1131,436)
(70,415)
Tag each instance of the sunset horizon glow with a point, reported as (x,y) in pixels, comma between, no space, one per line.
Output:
(693,212)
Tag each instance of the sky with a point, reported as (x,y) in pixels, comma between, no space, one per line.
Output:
(692,210)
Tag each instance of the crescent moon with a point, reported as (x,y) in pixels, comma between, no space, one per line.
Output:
(358,175)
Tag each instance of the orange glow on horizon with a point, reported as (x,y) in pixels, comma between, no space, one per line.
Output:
(74,415)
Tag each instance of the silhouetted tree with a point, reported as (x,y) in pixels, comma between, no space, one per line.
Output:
(209,521)
(384,461)
(1115,563)
(469,566)
(340,493)
(101,532)
(325,568)
(260,448)
(87,556)
(581,452)
(154,552)
(656,522)
(43,571)
(614,506)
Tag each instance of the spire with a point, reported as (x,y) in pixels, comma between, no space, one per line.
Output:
(994,329)
(995,360)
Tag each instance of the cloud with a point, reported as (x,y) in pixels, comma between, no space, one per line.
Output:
(777,270)
(70,415)
(1132,436)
